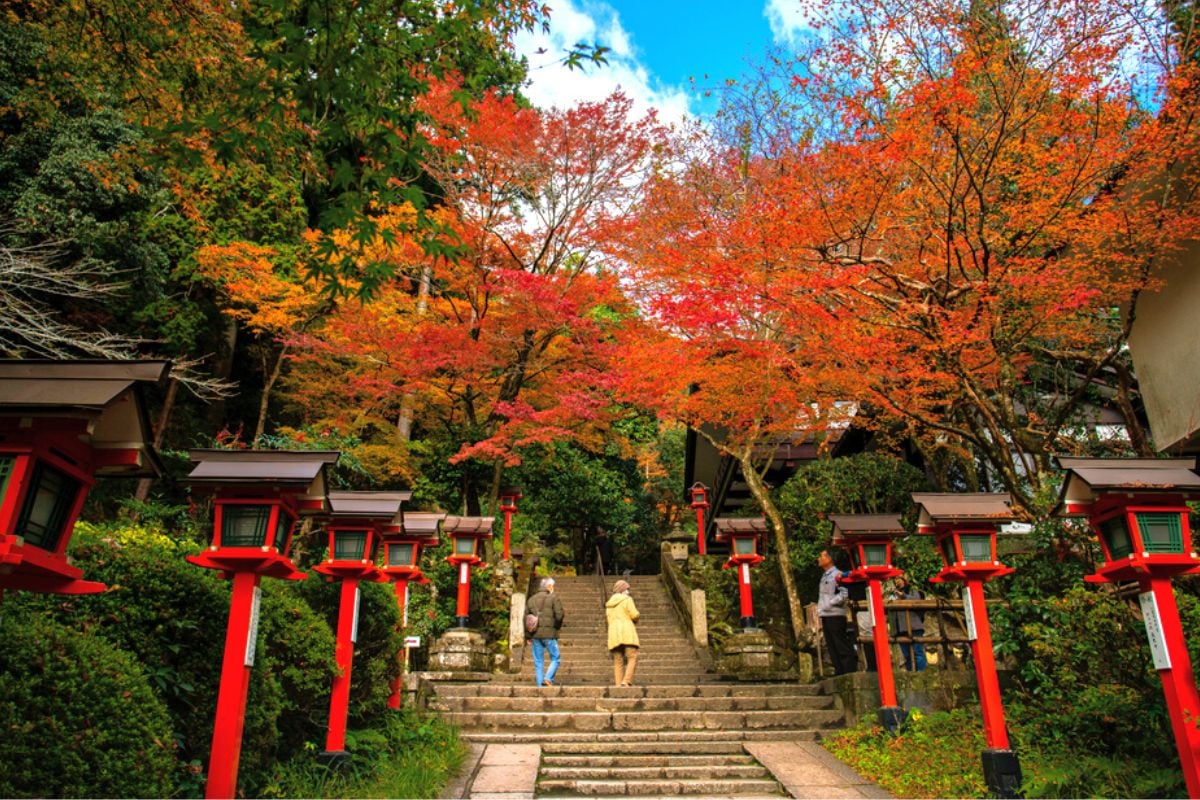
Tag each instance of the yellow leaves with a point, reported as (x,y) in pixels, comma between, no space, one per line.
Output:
(262,292)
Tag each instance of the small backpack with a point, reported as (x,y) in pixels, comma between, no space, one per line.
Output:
(531,624)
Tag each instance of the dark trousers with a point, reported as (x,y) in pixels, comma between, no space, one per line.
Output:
(837,639)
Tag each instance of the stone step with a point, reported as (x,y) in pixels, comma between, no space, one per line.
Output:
(676,746)
(697,771)
(525,704)
(643,720)
(664,788)
(605,743)
(680,690)
(729,759)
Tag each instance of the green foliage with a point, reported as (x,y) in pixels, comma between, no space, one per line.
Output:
(172,617)
(934,756)
(78,717)
(405,754)
(865,483)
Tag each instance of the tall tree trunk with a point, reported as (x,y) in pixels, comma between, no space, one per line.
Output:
(160,428)
(779,537)
(405,421)
(261,426)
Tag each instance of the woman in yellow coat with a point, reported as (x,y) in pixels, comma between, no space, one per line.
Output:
(622,634)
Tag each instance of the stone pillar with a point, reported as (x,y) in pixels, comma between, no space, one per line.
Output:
(753,655)
(460,650)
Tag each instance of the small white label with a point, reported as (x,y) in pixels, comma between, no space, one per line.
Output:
(357,608)
(412,641)
(463,573)
(969,613)
(252,635)
(1154,631)
(746,573)
(404,608)
(871,608)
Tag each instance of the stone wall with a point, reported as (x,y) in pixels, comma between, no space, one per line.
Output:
(857,693)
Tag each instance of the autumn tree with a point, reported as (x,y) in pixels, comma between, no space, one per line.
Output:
(729,338)
(497,331)
(994,188)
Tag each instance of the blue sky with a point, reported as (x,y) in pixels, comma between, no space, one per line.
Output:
(657,46)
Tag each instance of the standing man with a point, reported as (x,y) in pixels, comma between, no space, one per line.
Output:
(910,624)
(831,608)
(549,611)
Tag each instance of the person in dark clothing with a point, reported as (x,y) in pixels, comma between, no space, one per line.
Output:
(549,610)
(862,623)
(831,609)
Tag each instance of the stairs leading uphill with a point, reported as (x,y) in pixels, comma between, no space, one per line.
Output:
(678,730)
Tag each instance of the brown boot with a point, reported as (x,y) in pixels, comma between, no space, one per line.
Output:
(618,664)
(631,654)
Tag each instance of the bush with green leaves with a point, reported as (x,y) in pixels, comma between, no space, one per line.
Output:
(77,716)
(172,615)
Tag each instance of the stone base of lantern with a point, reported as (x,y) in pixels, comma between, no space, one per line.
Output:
(751,655)
(1002,773)
(460,650)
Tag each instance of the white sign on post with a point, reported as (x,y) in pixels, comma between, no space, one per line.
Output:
(252,635)
(969,613)
(357,606)
(871,607)
(412,641)
(1154,631)
(745,573)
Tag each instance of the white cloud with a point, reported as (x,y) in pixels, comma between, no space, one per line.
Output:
(787,19)
(551,84)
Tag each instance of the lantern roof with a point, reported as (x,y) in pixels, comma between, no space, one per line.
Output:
(469,525)
(107,394)
(510,491)
(369,505)
(940,508)
(730,526)
(867,525)
(1089,479)
(300,472)
(423,523)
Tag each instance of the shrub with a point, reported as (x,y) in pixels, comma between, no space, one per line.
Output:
(79,716)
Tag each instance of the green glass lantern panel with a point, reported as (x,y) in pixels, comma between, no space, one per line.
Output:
(1116,537)
(46,508)
(875,555)
(244,525)
(7,463)
(283,527)
(743,545)
(349,545)
(464,546)
(400,554)
(948,553)
(1161,531)
(976,547)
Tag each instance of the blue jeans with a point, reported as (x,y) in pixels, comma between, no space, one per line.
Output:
(540,648)
(913,652)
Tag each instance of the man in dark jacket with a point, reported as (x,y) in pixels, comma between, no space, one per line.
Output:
(549,610)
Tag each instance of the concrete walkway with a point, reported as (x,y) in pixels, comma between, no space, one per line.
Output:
(805,769)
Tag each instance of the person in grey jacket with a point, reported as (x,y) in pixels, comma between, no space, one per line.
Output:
(831,608)
(549,610)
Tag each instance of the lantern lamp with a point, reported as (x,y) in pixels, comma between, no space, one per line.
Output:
(868,538)
(401,564)
(1137,508)
(63,425)
(508,506)
(465,535)
(258,497)
(745,537)
(698,495)
(965,526)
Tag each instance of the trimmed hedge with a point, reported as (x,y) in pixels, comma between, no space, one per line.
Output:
(78,717)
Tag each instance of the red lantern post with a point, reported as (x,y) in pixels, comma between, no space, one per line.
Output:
(868,539)
(466,533)
(63,424)
(259,496)
(965,527)
(699,501)
(357,520)
(1137,509)
(745,537)
(508,504)
(402,564)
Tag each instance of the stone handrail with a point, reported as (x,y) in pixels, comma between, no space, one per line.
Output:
(691,603)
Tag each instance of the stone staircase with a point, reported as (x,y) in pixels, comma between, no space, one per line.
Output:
(677,731)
